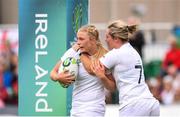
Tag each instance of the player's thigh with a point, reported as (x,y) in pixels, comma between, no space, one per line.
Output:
(155,111)
(141,107)
(132,110)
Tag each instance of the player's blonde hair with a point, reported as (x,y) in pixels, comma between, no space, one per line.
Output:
(94,34)
(119,29)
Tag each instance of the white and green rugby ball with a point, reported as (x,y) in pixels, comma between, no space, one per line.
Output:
(70,64)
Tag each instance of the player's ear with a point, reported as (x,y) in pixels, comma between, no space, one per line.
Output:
(116,39)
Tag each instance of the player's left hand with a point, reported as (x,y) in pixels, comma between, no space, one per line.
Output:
(76,46)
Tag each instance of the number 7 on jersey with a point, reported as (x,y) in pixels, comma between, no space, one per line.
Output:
(139,67)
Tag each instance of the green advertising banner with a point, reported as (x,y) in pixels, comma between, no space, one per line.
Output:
(43,29)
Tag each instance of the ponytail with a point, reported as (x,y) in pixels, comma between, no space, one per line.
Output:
(132,28)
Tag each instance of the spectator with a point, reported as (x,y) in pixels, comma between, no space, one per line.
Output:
(172,57)
(168,93)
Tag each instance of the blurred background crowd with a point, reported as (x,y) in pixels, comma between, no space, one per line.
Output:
(8,68)
(165,83)
(157,41)
(8,57)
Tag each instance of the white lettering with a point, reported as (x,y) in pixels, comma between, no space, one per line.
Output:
(39,93)
(41,42)
(38,53)
(43,107)
(42,39)
(42,22)
(40,72)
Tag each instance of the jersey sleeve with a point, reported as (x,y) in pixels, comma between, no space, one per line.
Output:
(70,53)
(109,60)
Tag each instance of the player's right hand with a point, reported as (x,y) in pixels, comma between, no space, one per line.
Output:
(65,77)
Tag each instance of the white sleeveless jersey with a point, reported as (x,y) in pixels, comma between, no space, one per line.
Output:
(88,92)
(128,72)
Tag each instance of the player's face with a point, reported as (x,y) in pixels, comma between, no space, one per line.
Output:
(84,41)
(109,40)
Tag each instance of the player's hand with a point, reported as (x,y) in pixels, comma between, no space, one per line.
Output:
(98,69)
(79,48)
(76,47)
(65,77)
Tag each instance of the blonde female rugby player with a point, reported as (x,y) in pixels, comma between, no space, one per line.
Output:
(88,98)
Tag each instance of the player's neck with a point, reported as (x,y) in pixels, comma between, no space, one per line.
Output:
(118,45)
(93,50)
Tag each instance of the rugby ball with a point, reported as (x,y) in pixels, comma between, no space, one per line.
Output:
(70,64)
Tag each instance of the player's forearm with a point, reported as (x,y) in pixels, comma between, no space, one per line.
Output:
(54,72)
(53,75)
(86,61)
(108,83)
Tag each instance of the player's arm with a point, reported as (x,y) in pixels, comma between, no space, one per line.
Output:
(95,68)
(106,78)
(64,77)
(54,72)
(109,82)
(87,62)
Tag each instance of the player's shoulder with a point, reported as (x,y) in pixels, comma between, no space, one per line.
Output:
(71,50)
(69,53)
(111,54)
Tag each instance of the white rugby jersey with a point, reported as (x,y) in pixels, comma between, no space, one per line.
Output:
(88,92)
(128,72)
